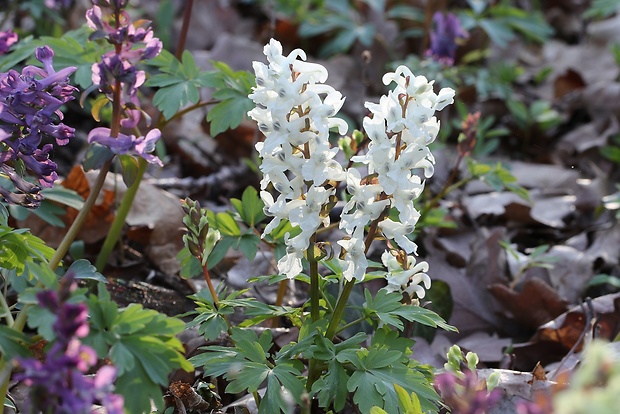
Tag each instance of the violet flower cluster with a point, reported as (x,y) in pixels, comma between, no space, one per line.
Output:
(445,36)
(295,111)
(58,384)
(30,104)
(133,42)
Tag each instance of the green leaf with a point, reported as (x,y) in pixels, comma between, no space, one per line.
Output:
(600,9)
(410,403)
(190,265)
(129,169)
(178,83)
(4,215)
(12,343)
(83,269)
(142,337)
(220,250)
(375,386)
(384,306)
(64,196)
(229,113)
(440,298)
(96,156)
(226,224)
(498,32)
(19,246)
(248,245)
(250,207)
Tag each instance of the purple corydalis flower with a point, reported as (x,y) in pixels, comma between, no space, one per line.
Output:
(58,383)
(444,37)
(128,144)
(134,42)
(466,395)
(30,104)
(7,39)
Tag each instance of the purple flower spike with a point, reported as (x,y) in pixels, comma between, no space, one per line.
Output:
(444,37)
(58,383)
(30,105)
(7,39)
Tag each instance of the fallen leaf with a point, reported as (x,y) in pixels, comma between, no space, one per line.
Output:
(568,82)
(537,302)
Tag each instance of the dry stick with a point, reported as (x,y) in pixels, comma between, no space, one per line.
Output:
(588,327)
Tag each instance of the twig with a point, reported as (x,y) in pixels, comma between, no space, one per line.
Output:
(589,325)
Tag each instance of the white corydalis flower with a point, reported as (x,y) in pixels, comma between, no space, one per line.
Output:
(295,111)
(406,279)
(400,129)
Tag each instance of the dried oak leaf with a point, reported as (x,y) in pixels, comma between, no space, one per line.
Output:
(537,302)
(101,215)
(554,339)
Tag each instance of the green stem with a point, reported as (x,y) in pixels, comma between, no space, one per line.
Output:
(7,311)
(350,324)
(5,377)
(119,219)
(332,328)
(314,282)
(339,310)
(163,122)
(63,248)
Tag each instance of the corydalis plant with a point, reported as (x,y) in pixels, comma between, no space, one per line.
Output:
(58,383)
(117,76)
(445,37)
(295,112)
(30,104)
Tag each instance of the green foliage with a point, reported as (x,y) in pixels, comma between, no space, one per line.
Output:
(18,247)
(49,210)
(538,114)
(250,207)
(231,90)
(70,49)
(211,320)
(497,177)
(440,298)
(612,152)
(387,308)
(141,343)
(179,82)
(600,9)
(502,22)
(376,370)
(250,364)
(12,343)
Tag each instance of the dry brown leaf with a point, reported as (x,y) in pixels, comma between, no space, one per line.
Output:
(554,339)
(568,82)
(537,302)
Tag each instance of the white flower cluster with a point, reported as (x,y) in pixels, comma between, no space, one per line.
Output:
(400,129)
(294,110)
